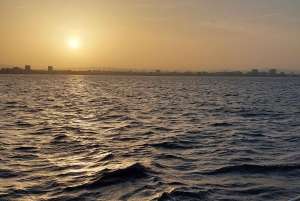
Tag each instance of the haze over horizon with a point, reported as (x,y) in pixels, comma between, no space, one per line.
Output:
(140,34)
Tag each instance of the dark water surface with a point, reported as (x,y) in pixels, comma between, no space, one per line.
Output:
(149,138)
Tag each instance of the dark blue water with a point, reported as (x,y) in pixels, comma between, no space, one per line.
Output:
(149,138)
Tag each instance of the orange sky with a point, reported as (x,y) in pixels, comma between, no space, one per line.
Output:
(157,34)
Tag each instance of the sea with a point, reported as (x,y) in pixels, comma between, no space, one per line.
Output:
(93,137)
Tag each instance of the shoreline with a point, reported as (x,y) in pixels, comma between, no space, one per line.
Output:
(130,73)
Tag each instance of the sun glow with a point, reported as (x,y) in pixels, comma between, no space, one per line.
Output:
(73,44)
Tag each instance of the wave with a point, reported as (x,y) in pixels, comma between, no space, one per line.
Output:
(108,177)
(24,124)
(60,137)
(259,169)
(4,174)
(249,114)
(25,148)
(169,156)
(174,145)
(11,102)
(107,156)
(221,124)
(183,194)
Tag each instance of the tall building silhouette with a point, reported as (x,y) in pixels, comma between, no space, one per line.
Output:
(50,68)
(272,72)
(27,68)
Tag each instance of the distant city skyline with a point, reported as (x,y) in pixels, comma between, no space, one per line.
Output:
(169,35)
(50,70)
(46,68)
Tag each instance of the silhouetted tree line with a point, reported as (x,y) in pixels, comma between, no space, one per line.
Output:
(252,73)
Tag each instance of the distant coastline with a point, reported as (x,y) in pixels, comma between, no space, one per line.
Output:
(252,73)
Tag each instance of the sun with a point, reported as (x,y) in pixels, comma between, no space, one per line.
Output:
(73,44)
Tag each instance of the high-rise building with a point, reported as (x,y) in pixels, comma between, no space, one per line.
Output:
(27,68)
(50,68)
(272,72)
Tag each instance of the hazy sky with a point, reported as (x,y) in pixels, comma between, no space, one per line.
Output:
(151,34)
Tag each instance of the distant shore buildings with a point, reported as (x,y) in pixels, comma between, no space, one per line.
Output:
(50,70)
(27,70)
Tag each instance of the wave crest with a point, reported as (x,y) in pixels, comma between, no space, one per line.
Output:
(112,177)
